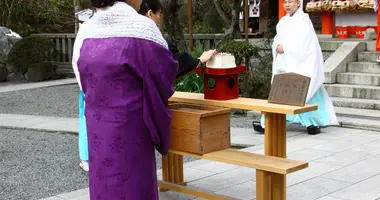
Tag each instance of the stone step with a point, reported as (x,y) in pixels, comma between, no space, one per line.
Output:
(358,118)
(364,67)
(357,113)
(359,78)
(353,91)
(356,103)
(359,123)
(368,56)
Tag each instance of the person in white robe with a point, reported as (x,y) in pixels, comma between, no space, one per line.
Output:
(296,49)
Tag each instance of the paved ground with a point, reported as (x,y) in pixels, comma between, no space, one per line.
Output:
(344,164)
(23,85)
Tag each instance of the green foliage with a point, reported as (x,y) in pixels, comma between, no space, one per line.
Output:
(240,49)
(30,50)
(205,18)
(192,82)
(256,83)
(41,71)
(36,16)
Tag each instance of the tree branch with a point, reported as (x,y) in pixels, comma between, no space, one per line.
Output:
(221,13)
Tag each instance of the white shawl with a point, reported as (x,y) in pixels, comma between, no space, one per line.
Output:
(302,53)
(119,20)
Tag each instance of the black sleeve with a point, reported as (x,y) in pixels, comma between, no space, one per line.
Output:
(173,48)
(187,63)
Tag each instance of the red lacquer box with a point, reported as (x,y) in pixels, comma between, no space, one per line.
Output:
(221,84)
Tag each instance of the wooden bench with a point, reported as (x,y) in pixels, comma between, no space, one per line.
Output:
(271,168)
(173,174)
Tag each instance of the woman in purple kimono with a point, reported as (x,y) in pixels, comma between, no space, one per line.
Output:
(126,73)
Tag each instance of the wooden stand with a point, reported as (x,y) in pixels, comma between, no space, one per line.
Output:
(193,127)
(270,185)
(172,169)
(270,172)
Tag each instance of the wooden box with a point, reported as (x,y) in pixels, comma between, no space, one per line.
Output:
(199,129)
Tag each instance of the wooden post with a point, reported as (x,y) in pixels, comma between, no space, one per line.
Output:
(172,169)
(281,10)
(246,14)
(327,23)
(190,10)
(270,186)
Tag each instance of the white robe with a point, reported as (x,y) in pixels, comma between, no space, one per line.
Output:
(302,55)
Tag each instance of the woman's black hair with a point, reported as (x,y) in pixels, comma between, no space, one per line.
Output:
(154,5)
(103,3)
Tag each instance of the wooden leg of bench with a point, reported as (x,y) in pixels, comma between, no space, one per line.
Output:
(270,186)
(172,169)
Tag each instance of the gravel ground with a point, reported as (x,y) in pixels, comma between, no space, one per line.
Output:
(60,101)
(36,165)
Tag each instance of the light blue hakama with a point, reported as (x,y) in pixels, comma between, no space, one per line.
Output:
(83,144)
(318,117)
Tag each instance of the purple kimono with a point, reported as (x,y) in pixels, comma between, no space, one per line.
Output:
(127,75)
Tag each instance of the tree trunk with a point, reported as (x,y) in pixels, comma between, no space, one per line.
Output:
(172,24)
(221,13)
(233,31)
(77,8)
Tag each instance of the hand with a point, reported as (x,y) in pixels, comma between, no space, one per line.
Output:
(279,49)
(207,55)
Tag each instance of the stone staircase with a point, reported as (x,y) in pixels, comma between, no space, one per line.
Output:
(356,95)
(359,86)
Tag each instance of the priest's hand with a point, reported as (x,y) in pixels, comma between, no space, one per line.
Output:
(279,49)
(207,55)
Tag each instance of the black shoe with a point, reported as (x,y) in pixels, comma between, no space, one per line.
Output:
(257,127)
(313,130)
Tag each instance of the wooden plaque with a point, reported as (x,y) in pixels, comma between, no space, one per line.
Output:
(289,89)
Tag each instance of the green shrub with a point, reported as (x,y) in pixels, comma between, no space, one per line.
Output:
(192,82)
(240,49)
(30,50)
(41,72)
(256,83)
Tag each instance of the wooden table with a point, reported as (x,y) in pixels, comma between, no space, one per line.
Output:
(269,186)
